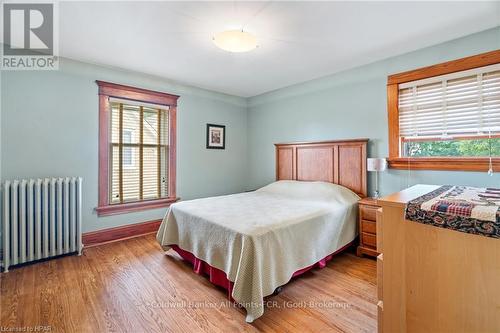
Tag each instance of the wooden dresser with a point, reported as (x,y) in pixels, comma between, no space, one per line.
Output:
(432,279)
(367,227)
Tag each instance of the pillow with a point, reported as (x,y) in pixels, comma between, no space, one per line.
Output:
(315,191)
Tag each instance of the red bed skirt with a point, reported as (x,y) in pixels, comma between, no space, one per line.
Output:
(219,278)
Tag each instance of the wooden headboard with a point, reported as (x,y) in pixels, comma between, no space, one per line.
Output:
(340,162)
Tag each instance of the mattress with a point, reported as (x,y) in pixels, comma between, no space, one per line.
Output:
(259,239)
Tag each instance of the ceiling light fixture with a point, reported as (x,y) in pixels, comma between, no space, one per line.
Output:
(235,41)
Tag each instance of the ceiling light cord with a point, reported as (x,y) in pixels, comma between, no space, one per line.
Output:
(490,163)
(490,169)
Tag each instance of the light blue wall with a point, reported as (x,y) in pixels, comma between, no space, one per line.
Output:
(352,104)
(49,125)
(50,128)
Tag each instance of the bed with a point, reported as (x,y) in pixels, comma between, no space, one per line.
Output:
(252,243)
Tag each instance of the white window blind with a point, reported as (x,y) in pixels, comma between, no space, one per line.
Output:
(138,151)
(463,104)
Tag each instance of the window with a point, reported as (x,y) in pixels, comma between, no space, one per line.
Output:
(142,175)
(137,149)
(447,116)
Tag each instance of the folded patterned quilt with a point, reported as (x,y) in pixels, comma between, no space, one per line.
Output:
(461,208)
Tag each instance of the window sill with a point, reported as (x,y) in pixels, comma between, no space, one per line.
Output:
(134,206)
(444,163)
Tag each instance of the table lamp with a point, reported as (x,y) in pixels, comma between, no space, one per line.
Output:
(377,165)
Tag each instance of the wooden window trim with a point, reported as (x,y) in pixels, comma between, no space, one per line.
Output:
(433,163)
(106,90)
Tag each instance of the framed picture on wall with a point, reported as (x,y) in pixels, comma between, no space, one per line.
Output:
(216,136)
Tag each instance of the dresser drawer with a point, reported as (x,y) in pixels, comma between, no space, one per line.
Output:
(380,316)
(369,240)
(380,224)
(380,274)
(368,213)
(368,226)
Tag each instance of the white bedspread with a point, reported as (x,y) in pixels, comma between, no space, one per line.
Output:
(259,239)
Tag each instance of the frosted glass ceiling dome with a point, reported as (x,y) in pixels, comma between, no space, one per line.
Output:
(235,41)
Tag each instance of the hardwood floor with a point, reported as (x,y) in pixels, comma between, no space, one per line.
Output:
(132,286)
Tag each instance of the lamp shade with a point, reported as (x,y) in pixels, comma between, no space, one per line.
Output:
(376,164)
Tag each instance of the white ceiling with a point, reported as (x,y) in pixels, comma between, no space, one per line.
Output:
(298,41)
